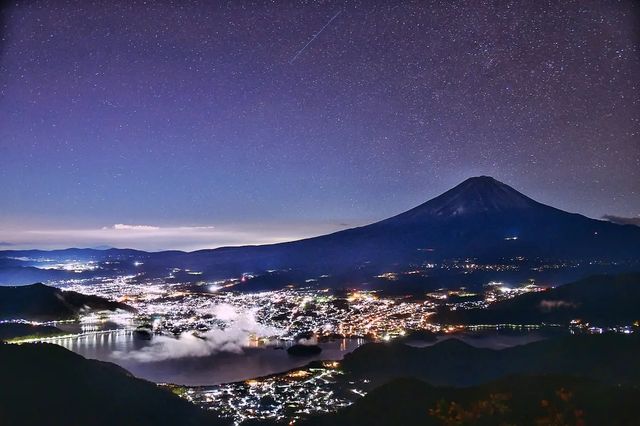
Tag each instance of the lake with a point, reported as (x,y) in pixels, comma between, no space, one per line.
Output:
(224,367)
(221,367)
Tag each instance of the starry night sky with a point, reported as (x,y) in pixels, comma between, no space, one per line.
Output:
(187,114)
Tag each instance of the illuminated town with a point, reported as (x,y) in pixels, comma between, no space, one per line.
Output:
(318,388)
(279,319)
(174,308)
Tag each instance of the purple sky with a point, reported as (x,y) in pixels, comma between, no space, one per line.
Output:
(186,115)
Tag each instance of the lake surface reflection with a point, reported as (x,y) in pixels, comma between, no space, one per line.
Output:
(224,367)
(213,369)
(497,338)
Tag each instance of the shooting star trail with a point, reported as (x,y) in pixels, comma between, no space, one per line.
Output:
(313,38)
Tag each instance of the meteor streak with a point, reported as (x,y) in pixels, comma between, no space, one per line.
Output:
(313,38)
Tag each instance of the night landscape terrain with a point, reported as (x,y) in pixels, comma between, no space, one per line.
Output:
(481,219)
(319,213)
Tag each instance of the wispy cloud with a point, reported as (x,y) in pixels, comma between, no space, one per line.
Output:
(123,227)
(234,338)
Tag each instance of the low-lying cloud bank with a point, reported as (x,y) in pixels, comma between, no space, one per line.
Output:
(153,238)
(237,336)
(622,220)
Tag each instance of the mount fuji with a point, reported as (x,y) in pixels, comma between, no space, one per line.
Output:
(480,219)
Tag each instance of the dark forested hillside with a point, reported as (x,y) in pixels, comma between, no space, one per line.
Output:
(45,384)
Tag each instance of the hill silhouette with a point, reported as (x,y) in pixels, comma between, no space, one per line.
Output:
(600,300)
(44,384)
(39,302)
(607,358)
(516,400)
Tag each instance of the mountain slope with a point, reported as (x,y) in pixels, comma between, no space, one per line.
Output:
(39,302)
(47,384)
(455,383)
(518,400)
(480,218)
(607,358)
(599,300)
